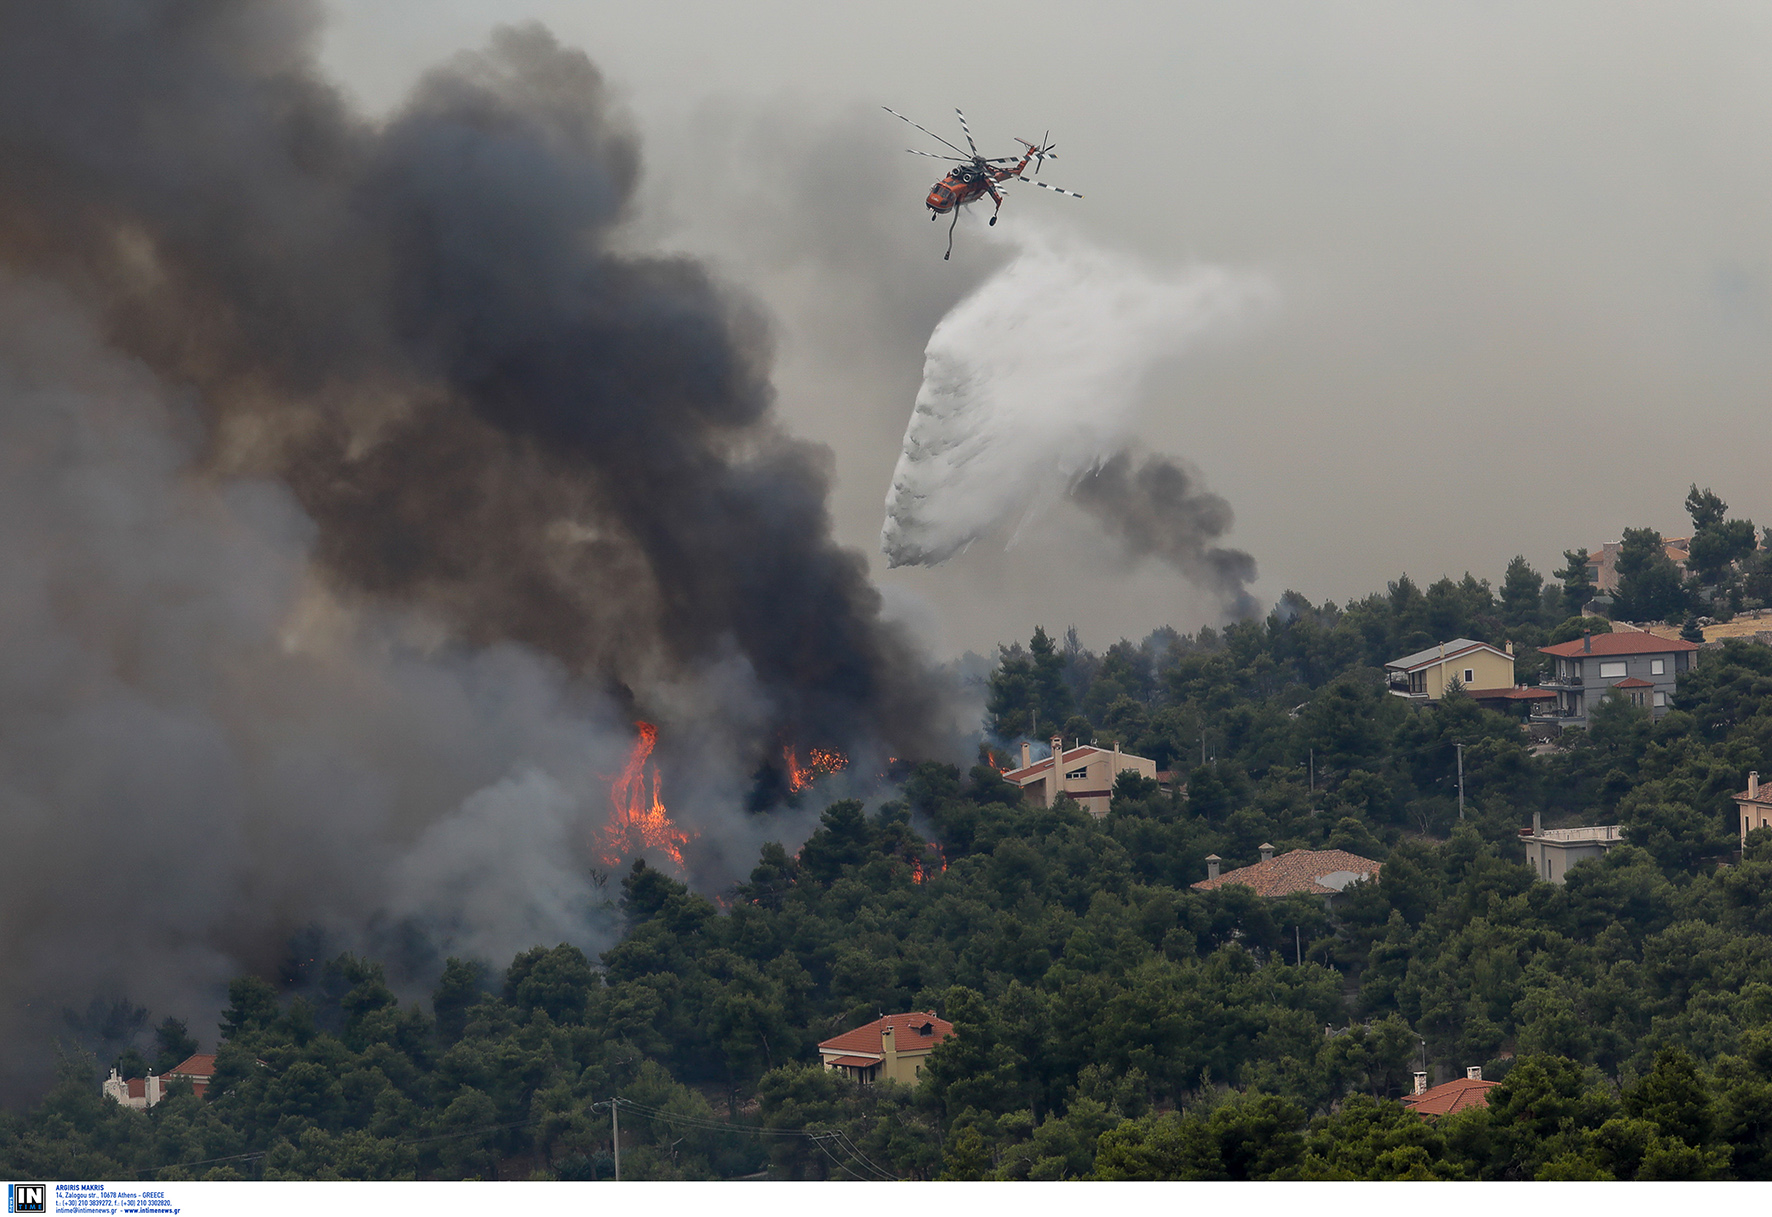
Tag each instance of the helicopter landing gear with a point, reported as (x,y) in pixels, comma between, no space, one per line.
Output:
(993,221)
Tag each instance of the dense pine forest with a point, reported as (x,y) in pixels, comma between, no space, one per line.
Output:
(1111,1022)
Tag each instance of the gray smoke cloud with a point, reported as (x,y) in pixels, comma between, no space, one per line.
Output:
(358,497)
(1156,511)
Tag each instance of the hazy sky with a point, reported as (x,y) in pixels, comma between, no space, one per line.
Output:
(1520,256)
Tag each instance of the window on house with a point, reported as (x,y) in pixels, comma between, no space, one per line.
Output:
(1470,675)
(1658,667)
(1610,668)
(1660,698)
(1077,774)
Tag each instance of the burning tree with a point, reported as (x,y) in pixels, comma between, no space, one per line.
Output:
(637,821)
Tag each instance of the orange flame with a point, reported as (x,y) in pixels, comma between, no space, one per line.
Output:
(823,761)
(637,822)
(918,875)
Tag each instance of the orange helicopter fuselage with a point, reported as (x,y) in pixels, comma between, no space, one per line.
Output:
(967,184)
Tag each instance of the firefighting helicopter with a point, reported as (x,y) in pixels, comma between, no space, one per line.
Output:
(978,175)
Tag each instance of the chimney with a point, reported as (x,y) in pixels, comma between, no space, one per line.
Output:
(151,1089)
(1420,1082)
(1055,782)
(1587,640)
(1474,1073)
(1537,824)
(1753,784)
(1267,852)
(1026,759)
(1212,861)
(1508,646)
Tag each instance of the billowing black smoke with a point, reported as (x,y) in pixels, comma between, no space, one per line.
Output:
(355,497)
(420,327)
(1156,511)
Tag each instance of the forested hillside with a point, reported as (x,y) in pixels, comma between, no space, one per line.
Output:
(1111,1021)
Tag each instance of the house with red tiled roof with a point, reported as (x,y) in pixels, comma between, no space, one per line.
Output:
(143,1093)
(1643,665)
(1322,872)
(1086,773)
(893,1048)
(1460,1095)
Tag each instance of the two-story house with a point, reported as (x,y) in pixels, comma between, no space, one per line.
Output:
(1642,667)
(1755,804)
(1423,676)
(892,1048)
(1087,774)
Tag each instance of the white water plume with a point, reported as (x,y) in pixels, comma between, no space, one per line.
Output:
(1035,378)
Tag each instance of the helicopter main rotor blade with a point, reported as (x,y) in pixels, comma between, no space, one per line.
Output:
(967,130)
(940,156)
(1055,189)
(926,131)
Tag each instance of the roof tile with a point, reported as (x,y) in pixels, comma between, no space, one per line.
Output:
(906,1034)
(1296,871)
(1460,1094)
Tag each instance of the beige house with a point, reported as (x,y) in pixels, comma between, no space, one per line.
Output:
(892,1049)
(1086,773)
(142,1093)
(1602,563)
(1550,852)
(1756,806)
(1423,676)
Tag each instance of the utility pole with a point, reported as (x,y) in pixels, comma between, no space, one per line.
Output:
(1313,774)
(1460,748)
(1202,747)
(615,1133)
(1297,946)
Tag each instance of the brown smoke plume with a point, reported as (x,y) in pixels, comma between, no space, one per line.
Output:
(421,328)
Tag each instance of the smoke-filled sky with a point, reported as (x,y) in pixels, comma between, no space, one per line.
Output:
(394,409)
(361,489)
(1520,252)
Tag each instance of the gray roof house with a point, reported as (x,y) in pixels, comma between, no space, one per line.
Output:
(1638,665)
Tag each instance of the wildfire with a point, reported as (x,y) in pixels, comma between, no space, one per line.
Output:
(638,822)
(917,872)
(822,761)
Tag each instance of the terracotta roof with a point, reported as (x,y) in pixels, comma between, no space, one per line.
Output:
(1633,682)
(137,1087)
(854,1062)
(1634,643)
(1297,871)
(1081,753)
(1072,754)
(1448,1097)
(906,1034)
(199,1065)
(1765,795)
(1511,694)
